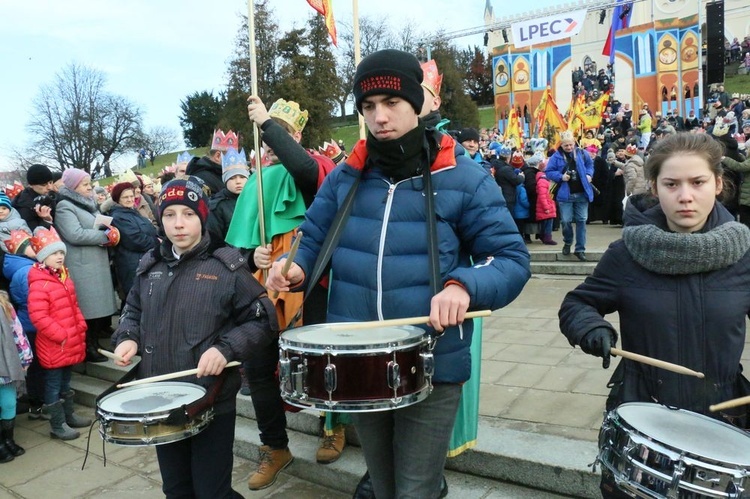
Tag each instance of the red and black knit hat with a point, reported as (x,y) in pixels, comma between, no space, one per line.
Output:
(187,192)
(390,72)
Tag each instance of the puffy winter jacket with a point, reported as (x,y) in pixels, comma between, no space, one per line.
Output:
(380,267)
(545,205)
(16,270)
(558,165)
(60,326)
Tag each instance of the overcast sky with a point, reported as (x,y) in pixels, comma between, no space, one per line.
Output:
(156,52)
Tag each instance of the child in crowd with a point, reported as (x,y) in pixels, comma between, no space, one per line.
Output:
(16,266)
(61,331)
(546,211)
(11,220)
(192,308)
(15,358)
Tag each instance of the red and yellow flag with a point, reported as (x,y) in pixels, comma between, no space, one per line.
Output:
(325,9)
(513,131)
(549,119)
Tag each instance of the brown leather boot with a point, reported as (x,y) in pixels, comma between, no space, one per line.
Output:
(332,445)
(270,464)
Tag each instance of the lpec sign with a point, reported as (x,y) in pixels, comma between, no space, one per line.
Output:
(548,29)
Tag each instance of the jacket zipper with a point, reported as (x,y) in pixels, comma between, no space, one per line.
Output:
(381,246)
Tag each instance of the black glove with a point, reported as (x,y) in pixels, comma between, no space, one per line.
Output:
(598,342)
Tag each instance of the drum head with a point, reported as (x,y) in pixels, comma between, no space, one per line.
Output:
(338,337)
(688,431)
(151,398)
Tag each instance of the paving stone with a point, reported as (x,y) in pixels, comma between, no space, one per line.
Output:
(526,336)
(493,370)
(523,375)
(544,406)
(594,382)
(533,354)
(495,400)
(561,379)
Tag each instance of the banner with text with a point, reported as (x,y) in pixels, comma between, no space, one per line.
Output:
(547,29)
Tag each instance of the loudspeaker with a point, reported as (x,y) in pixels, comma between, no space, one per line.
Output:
(715,42)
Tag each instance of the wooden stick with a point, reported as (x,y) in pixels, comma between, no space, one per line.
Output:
(675,368)
(729,404)
(165,377)
(406,321)
(110,355)
(289,260)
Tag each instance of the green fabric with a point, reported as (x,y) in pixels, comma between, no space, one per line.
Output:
(334,419)
(467,418)
(283,208)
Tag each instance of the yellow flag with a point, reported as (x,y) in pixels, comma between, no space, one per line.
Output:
(549,120)
(513,133)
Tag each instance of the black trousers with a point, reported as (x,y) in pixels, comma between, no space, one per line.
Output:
(260,371)
(200,467)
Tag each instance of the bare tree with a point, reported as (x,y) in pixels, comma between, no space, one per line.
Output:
(76,122)
(161,139)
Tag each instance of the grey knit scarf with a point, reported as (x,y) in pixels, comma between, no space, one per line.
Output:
(674,253)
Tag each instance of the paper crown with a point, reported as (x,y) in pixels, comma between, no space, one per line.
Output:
(631,150)
(13,190)
(128,176)
(232,158)
(432,79)
(223,141)
(290,113)
(720,129)
(18,242)
(183,157)
(332,150)
(44,242)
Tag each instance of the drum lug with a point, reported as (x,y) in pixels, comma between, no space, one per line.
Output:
(428,361)
(285,369)
(674,486)
(330,378)
(394,376)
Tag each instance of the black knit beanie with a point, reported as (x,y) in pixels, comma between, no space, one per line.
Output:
(38,175)
(391,72)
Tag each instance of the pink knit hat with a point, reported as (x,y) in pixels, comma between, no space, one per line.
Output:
(72,177)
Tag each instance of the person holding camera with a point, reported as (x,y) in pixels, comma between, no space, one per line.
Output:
(572,168)
(34,203)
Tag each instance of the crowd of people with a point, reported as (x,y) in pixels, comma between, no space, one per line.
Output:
(75,255)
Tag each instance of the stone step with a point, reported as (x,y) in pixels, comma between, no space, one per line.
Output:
(551,464)
(556,256)
(576,268)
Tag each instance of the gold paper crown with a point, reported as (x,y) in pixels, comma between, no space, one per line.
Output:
(290,113)
(432,80)
(222,142)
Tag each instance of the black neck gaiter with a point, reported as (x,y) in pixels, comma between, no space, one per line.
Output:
(400,158)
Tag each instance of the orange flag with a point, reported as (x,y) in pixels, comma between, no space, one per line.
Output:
(325,9)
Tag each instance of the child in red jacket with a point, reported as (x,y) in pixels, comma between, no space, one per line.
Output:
(61,331)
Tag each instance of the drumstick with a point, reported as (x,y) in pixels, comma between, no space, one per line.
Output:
(289,261)
(110,355)
(164,377)
(675,368)
(729,404)
(406,321)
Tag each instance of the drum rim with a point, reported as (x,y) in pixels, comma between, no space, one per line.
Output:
(373,405)
(181,384)
(690,453)
(416,336)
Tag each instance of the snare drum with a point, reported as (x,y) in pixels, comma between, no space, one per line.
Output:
(653,451)
(135,415)
(329,367)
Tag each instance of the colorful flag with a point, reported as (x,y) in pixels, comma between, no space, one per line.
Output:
(576,109)
(513,132)
(591,114)
(620,20)
(325,9)
(549,119)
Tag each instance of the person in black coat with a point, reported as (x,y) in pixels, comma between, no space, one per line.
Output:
(222,204)
(35,204)
(208,169)
(680,281)
(615,186)
(600,180)
(505,175)
(137,236)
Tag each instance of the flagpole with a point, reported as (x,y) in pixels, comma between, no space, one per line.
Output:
(357,58)
(256,130)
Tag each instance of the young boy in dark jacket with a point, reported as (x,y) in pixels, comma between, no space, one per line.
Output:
(190,308)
